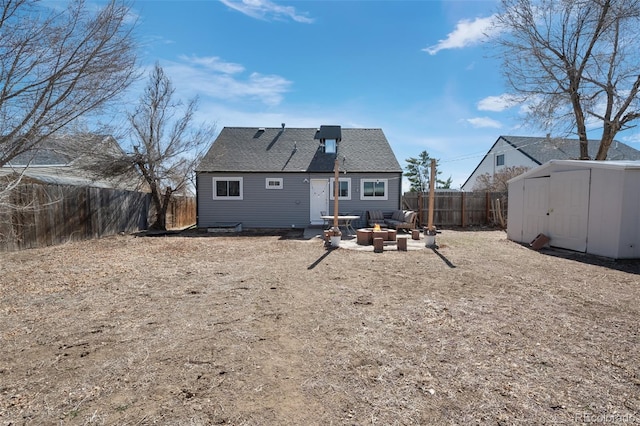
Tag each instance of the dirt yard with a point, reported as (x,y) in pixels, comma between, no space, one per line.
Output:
(276,330)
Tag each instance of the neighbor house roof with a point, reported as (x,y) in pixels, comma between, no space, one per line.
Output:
(67,160)
(253,149)
(545,149)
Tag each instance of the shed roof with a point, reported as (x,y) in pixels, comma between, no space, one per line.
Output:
(554,166)
(253,149)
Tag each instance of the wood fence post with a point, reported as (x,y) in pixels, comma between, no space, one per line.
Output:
(463,211)
(432,186)
(419,208)
(487,206)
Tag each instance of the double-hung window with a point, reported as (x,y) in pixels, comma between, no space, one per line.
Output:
(374,189)
(344,189)
(227,188)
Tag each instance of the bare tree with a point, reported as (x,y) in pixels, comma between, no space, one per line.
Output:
(57,65)
(498,182)
(167,146)
(575,63)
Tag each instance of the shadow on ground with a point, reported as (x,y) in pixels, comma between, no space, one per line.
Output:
(284,234)
(631,266)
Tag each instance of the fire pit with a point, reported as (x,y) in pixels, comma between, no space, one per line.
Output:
(365,236)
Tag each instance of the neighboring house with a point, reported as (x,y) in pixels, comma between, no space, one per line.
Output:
(511,151)
(284,177)
(71,160)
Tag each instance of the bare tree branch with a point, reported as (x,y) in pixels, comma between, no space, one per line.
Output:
(57,66)
(575,63)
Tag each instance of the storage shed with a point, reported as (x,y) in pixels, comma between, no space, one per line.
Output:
(585,206)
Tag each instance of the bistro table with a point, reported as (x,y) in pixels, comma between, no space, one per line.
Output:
(344,220)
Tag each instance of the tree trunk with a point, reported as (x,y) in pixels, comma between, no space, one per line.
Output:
(161,204)
(608,133)
(160,222)
(580,121)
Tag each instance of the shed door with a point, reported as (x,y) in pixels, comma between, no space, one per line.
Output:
(319,200)
(569,209)
(536,208)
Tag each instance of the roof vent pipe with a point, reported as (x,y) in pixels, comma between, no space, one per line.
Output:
(282,126)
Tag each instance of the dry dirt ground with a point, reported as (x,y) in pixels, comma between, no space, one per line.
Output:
(195,329)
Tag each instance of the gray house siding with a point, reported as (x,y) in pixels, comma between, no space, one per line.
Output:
(287,207)
(356,203)
(260,207)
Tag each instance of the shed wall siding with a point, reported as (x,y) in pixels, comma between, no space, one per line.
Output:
(629,241)
(287,207)
(607,192)
(515,211)
(613,210)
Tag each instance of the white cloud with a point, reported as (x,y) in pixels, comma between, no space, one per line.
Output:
(213,78)
(214,63)
(466,33)
(498,103)
(265,9)
(482,122)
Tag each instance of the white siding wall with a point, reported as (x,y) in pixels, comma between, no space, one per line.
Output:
(613,210)
(605,205)
(512,157)
(629,241)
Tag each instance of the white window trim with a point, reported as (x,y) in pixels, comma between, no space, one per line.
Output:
(228,198)
(331,188)
(374,197)
(279,180)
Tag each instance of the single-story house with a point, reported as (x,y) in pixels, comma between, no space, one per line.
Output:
(531,152)
(284,177)
(585,206)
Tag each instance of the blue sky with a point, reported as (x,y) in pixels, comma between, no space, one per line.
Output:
(417,69)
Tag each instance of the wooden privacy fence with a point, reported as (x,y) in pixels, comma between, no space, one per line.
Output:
(458,208)
(35,215)
(181,212)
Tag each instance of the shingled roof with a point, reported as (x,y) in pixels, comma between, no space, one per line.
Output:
(253,149)
(545,149)
(67,160)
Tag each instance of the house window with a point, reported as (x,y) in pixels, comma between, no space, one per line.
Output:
(374,189)
(500,160)
(344,189)
(273,183)
(227,188)
(330,146)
